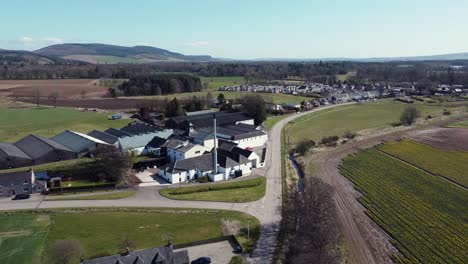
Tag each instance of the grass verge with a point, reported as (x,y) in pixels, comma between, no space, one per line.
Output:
(233,192)
(102,196)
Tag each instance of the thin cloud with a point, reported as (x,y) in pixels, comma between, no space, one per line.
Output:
(26,42)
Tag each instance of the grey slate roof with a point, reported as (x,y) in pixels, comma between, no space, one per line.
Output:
(179,145)
(108,138)
(238,133)
(10,150)
(37,146)
(137,128)
(206,120)
(73,141)
(117,133)
(142,140)
(145,256)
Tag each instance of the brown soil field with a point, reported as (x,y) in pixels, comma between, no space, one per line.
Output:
(443,138)
(66,88)
(106,104)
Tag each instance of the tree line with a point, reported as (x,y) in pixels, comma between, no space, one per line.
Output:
(157,84)
(424,73)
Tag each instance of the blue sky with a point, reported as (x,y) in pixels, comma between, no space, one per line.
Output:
(244,28)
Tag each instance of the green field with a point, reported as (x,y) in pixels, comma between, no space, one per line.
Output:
(450,164)
(355,118)
(100,230)
(460,124)
(54,166)
(16,123)
(233,192)
(214,83)
(425,216)
(272,120)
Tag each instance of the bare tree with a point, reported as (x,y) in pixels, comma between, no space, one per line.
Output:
(310,225)
(37,96)
(409,115)
(66,251)
(53,96)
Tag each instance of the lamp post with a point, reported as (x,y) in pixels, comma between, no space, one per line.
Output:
(180,182)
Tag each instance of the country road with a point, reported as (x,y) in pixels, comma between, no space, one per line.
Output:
(267,209)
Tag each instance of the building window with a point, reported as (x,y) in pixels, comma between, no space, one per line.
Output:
(197,152)
(25,182)
(25,189)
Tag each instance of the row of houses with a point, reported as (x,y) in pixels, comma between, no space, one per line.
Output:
(24,182)
(288,89)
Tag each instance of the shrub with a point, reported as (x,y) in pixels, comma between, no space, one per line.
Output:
(447,112)
(236,260)
(429,117)
(409,115)
(304,146)
(330,141)
(396,124)
(202,179)
(349,135)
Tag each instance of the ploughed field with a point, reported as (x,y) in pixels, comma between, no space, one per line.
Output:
(26,237)
(65,88)
(426,215)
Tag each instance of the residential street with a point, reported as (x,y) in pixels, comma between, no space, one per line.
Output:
(267,209)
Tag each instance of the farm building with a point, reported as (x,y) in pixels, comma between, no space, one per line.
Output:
(202,121)
(103,136)
(43,150)
(162,255)
(202,166)
(13,157)
(245,136)
(117,133)
(81,144)
(14,183)
(138,143)
(177,149)
(249,154)
(138,128)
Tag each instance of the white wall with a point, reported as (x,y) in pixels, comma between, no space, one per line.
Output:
(252,142)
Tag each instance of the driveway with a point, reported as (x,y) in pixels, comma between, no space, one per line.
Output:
(267,209)
(219,252)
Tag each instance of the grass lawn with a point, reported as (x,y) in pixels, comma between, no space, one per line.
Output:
(45,121)
(92,196)
(272,120)
(234,192)
(356,118)
(100,230)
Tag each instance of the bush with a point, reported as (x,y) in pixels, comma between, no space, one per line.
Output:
(349,135)
(236,260)
(396,124)
(429,117)
(202,179)
(409,115)
(330,141)
(447,112)
(304,146)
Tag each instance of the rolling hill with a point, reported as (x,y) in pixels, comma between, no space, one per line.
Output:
(26,57)
(111,54)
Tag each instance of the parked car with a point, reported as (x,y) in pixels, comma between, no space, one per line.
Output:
(202,260)
(21,196)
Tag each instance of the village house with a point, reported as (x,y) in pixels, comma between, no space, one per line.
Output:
(24,182)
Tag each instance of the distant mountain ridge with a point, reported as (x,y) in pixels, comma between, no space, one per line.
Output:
(25,57)
(442,57)
(104,53)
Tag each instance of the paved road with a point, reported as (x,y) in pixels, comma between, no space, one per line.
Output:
(267,209)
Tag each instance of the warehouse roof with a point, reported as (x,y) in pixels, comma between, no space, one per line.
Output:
(142,140)
(10,150)
(108,138)
(137,128)
(75,141)
(206,120)
(117,133)
(37,146)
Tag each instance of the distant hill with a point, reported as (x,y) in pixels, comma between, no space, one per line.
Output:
(111,54)
(443,57)
(26,57)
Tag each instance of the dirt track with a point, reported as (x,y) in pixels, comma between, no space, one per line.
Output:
(364,240)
